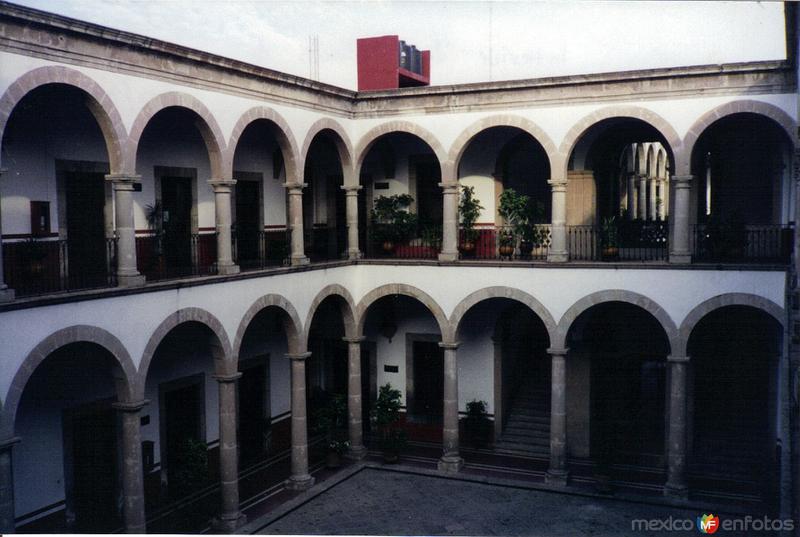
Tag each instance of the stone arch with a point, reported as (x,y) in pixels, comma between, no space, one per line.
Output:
(783,120)
(221,349)
(126,388)
(461,144)
(292,325)
(410,291)
(341,140)
(99,103)
(503,292)
(208,127)
(348,310)
(651,161)
(633,112)
(616,295)
(368,140)
(283,135)
(720,301)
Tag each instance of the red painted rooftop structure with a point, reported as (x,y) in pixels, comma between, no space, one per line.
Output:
(387,62)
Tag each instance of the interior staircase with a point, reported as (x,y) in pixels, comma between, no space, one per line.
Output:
(527,429)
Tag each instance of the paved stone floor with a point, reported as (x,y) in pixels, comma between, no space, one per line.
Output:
(381,502)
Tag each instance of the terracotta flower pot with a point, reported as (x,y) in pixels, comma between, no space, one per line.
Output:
(506,251)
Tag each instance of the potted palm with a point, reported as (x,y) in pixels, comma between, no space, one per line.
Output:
(609,238)
(515,208)
(392,220)
(507,241)
(331,419)
(469,209)
(386,417)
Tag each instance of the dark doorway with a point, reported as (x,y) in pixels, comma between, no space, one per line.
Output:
(182,430)
(429,193)
(253,421)
(248,222)
(428,382)
(94,469)
(86,251)
(176,201)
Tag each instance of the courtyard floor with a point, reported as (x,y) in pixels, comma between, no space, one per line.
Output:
(374,500)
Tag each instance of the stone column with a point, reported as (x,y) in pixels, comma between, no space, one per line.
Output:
(295,222)
(450,191)
(133,512)
(300,478)
(127,273)
(663,188)
(643,197)
(222,212)
(558,240)
(351,205)
(676,486)
(631,196)
(354,399)
(6,294)
(230,516)
(451,461)
(679,242)
(653,181)
(557,474)
(7,486)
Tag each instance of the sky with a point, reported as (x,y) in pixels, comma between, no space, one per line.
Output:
(470,41)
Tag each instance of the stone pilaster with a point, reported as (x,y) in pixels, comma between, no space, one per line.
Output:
(300,478)
(451,461)
(127,273)
(653,182)
(222,212)
(295,222)
(558,240)
(663,188)
(676,485)
(631,196)
(354,399)
(450,193)
(679,242)
(643,197)
(7,486)
(351,206)
(557,473)
(230,516)
(6,294)
(133,512)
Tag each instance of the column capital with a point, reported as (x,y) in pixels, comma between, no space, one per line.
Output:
(351,189)
(558,351)
(221,185)
(295,188)
(450,187)
(682,181)
(9,442)
(558,184)
(354,339)
(678,359)
(449,345)
(300,356)
(231,377)
(130,406)
(123,181)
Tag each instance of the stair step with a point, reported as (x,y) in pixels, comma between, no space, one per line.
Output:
(527,440)
(539,432)
(524,448)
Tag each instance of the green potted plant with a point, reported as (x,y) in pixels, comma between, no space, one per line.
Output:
(609,238)
(477,425)
(392,220)
(520,214)
(386,418)
(469,210)
(330,419)
(507,241)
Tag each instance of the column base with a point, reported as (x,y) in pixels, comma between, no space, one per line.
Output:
(299,260)
(557,257)
(356,453)
(353,255)
(448,257)
(228,523)
(680,259)
(299,482)
(450,464)
(676,492)
(6,295)
(130,280)
(557,478)
(227,269)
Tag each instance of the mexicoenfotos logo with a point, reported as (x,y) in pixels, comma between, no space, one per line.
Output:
(708,523)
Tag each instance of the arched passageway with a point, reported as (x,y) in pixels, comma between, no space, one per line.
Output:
(61,228)
(616,390)
(732,404)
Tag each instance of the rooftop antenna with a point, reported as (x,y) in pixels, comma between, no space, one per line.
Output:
(313,57)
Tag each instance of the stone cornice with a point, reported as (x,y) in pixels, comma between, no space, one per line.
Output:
(61,39)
